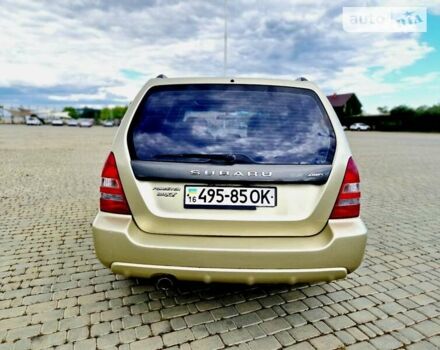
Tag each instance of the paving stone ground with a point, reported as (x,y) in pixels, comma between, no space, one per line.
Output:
(55,294)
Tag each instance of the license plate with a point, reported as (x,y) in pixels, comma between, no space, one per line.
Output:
(229,197)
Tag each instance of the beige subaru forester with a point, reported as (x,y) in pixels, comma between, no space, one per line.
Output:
(230,180)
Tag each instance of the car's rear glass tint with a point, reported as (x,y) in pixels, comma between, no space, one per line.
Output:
(263,124)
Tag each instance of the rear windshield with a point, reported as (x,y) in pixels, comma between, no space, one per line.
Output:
(256,124)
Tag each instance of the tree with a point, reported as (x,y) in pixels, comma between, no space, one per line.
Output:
(90,113)
(116,112)
(403,111)
(119,111)
(383,109)
(71,111)
(105,114)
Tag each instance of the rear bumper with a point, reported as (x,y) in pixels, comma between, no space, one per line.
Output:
(337,250)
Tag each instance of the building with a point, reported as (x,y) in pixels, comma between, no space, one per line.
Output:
(5,116)
(345,105)
(17,115)
(47,115)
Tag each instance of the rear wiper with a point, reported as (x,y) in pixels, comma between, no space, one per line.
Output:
(224,158)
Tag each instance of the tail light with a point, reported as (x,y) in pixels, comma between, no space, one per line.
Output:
(348,203)
(112,194)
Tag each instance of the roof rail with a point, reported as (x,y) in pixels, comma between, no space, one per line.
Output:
(301,79)
(161,76)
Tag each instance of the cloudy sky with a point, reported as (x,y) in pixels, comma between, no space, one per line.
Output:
(90,52)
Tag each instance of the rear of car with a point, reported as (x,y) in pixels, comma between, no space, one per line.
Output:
(107,123)
(85,123)
(32,120)
(359,127)
(232,180)
(72,122)
(57,122)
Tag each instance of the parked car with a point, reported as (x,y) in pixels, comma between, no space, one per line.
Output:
(344,127)
(230,180)
(359,127)
(85,123)
(107,123)
(72,122)
(32,120)
(57,122)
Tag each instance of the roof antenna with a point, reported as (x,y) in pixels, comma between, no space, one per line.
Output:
(225,57)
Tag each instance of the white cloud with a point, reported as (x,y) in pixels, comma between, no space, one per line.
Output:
(84,46)
(432,6)
(100,95)
(421,79)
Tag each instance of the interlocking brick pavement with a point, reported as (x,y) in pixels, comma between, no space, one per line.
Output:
(55,294)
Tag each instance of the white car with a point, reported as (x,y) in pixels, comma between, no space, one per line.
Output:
(72,122)
(108,123)
(32,120)
(85,123)
(359,127)
(57,122)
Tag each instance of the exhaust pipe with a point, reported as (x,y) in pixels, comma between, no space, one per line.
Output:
(165,282)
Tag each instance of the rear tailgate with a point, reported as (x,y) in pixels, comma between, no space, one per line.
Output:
(294,142)
(302,210)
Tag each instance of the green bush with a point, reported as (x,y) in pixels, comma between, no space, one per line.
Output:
(116,112)
(423,118)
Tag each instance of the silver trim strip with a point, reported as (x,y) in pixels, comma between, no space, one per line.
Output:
(237,173)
